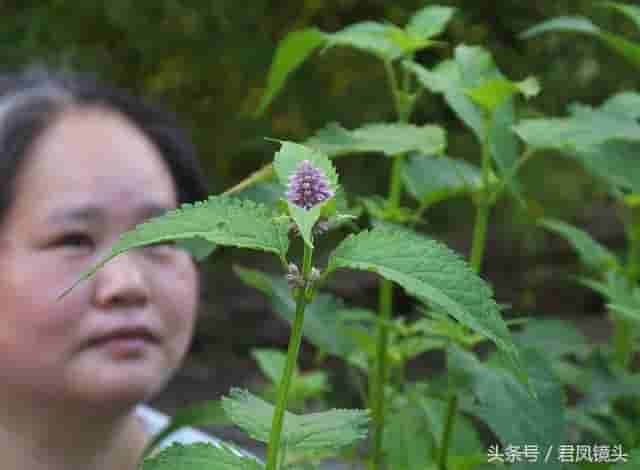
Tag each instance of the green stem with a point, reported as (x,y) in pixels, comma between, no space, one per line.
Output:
(385,306)
(479,235)
(452,410)
(483,207)
(292,355)
(378,380)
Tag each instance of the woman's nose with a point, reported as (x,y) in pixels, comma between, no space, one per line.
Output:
(121,281)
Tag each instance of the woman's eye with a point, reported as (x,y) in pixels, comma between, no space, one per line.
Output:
(74,239)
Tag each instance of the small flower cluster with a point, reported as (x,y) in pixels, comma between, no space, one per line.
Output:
(308,186)
(321,227)
(295,279)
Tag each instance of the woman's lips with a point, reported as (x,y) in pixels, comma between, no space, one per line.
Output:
(123,346)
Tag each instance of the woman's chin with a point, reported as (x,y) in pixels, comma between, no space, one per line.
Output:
(126,381)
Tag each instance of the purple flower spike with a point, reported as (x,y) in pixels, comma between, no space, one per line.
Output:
(308,186)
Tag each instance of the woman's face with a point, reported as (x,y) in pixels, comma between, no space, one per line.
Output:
(90,177)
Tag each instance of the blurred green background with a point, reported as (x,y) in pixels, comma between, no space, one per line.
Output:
(208,59)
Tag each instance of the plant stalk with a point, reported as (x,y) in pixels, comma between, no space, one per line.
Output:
(483,208)
(292,356)
(452,411)
(379,379)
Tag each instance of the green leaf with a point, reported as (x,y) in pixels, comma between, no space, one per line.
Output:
(505,405)
(592,254)
(632,462)
(203,413)
(601,383)
(427,269)
(472,67)
(553,338)
(220,219)
(446,79)
(432,179)
(271,363)
(200,456)
(302,387)
(385,41)
(367,36)
(405,441)
(576,24)
(630,11)
(325,318)
(285,163)
(626,104)
(579,24)
(292,51)
(430,21)
(605,140)
(199,248)
(583,129)
(494,92)
(291,155)
(329,430)
(389,139)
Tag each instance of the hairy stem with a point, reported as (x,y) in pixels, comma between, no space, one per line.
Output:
(292,356)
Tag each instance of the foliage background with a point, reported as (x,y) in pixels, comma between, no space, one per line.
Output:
(208,60)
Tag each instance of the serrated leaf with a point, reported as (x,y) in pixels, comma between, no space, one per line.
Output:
(390,139)
(505,405)
(292,51)
(222,220)
(200,456)
(285,163)
(431,179)
(291,155)
(264,192)
(427,269)
(430,21)
(199,248)
(329,430)
(593,254)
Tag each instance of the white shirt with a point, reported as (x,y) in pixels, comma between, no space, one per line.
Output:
(155,421)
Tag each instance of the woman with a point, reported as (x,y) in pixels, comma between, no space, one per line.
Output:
(81,163)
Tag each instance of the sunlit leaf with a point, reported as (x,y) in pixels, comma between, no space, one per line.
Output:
(292,51)
(430,21)
(200,456)
(387,138)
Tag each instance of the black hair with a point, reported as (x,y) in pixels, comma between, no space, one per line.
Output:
(31,100)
